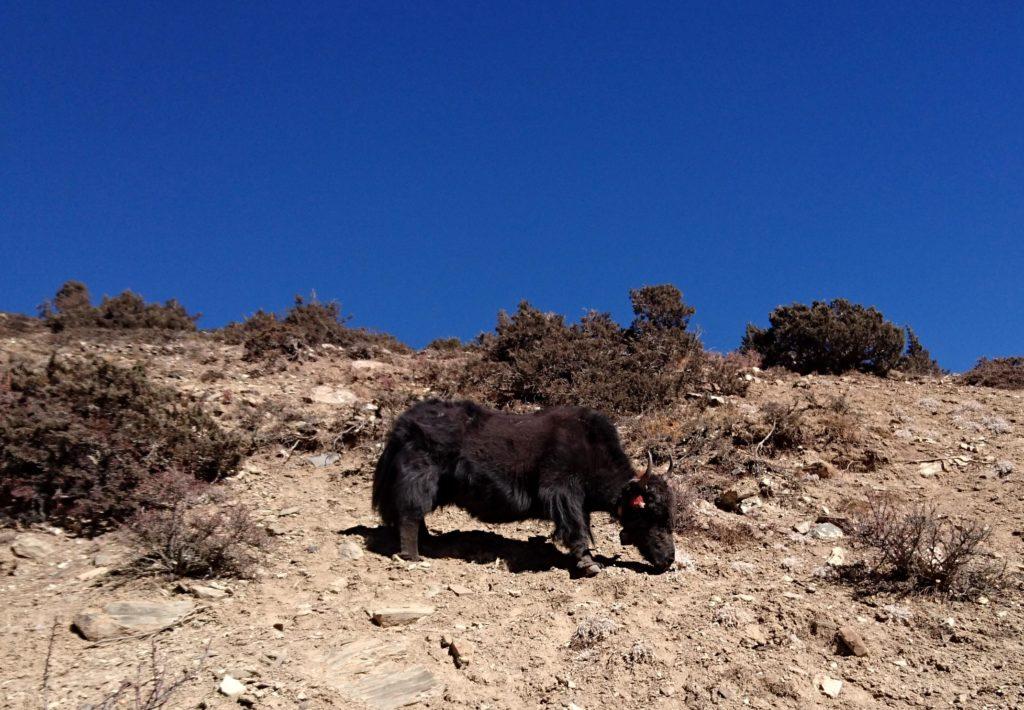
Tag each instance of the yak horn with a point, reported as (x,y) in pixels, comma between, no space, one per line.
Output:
(671,464)
(650,464)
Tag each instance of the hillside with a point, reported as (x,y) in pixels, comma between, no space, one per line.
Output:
(750,616)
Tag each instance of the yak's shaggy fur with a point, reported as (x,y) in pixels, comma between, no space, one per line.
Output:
(558,464)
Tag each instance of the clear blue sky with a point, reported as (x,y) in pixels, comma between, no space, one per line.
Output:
(429,163)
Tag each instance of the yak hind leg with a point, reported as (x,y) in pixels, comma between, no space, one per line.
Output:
(408,535)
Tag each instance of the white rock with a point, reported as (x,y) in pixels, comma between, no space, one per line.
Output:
(830,686)
(325,394)
(825,531)
(231,687)
(32,547)
(837,558)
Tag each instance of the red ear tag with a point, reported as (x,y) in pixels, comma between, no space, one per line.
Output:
(638,502)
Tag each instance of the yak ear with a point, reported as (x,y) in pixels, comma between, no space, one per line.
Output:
(638,502)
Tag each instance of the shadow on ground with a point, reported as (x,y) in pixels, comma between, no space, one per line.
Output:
(537,554)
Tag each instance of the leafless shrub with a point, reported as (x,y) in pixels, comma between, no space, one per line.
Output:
(592,632)
(780,427)
(195,535)
(151,688)
(685,514)
(917,549)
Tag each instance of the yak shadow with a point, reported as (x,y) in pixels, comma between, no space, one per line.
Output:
(537,554)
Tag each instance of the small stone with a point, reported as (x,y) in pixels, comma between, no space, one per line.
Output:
(91,574)
(825,531)
(32,547)
(285,512)
(830,686)
(851,642)
(755,634)
(325,394)
(400,615)
(730,499)
(349,550)
(459,652)
(837,558)
(803,527)
(202,591)
(94,625)
(324,460)
(749,505)
(231,687)
(459,590)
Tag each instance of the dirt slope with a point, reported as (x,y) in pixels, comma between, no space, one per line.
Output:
(746,620)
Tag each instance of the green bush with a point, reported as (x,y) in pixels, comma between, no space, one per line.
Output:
(917,360)
(79,438)
(827,338)
(71,308)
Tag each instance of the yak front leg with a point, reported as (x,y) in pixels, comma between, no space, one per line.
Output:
(572,527)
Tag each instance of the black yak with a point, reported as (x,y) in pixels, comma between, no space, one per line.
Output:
(557,464)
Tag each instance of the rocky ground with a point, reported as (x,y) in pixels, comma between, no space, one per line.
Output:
(492,617)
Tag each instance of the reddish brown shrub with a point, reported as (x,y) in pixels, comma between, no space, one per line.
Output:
(72,308)
(1002,372)
(535,357)
(305,327)
(78,437)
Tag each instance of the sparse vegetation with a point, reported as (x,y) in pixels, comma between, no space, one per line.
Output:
(308,325)
(827,338)
(536,358)
(152,687)
(917,360)
(188,531)
(917,549)
(78,437)
(1001,372)
(72,309)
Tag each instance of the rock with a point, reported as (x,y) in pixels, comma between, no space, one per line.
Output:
(803,527)
(730,499)
(325,394)
(851,642)
(400,615)
(825,531)
(285,512)
(459,590)
(820,468)
(754,634)
(837,558)
(201,591)
(128,617)
(930,468)
(349,550)
(108,558)
(370,671)
(324,460)
(94,625)
(749,505)
(91,574)
(32,547)
(830,686)
(231,687)
(459,652)
(715,400)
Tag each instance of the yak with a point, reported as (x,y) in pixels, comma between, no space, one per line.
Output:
(557,464)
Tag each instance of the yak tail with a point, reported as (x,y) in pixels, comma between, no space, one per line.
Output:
(384,477)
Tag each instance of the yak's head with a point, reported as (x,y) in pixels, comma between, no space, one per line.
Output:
(645,509)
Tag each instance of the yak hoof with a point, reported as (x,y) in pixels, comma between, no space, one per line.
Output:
(588,568)
(409,556)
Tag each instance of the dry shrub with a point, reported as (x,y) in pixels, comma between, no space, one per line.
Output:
(308,325)
(72,309)
(731,536)
(445,345)
(917,360)
(1002,372)
(188,531)
(830,338)
(684,514)
(536,358)
(15,324)
(777,427)
(78,437)
(916,549)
